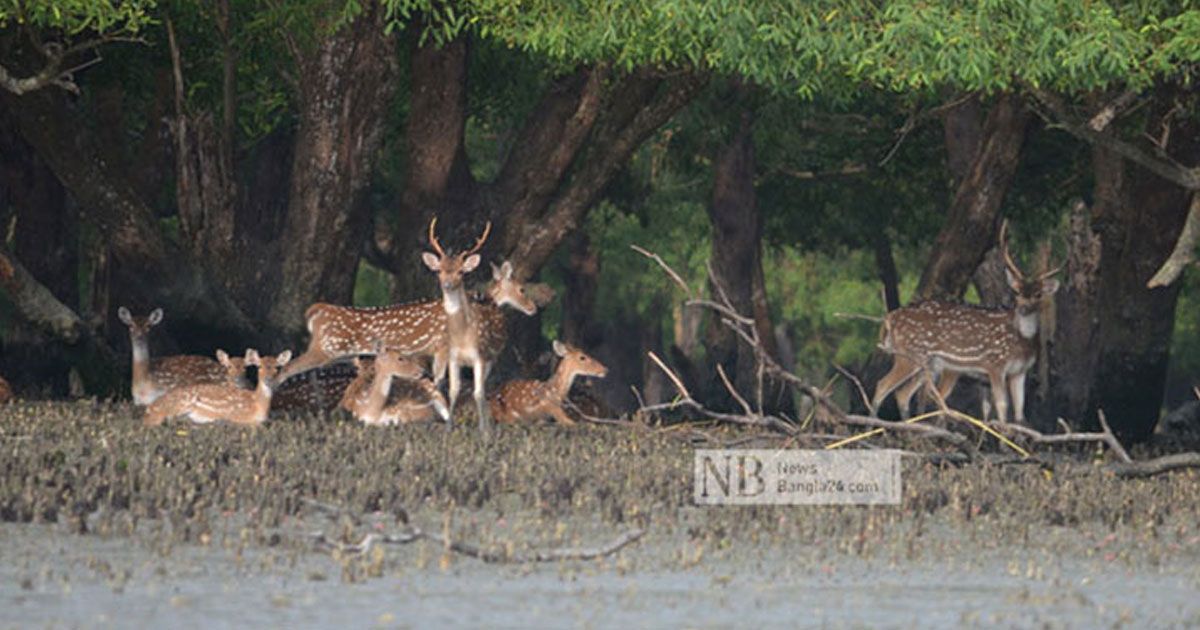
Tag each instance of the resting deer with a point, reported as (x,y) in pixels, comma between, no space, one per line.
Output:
(464,340)
(314,390)
(954,339)
(368,396)
(235,370)
(208,402)
(525,401)
(415,329)
(154,377)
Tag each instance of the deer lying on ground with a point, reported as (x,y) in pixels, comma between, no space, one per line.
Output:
(952,339)
(319,389)
(393,390)
(154,377)
(528,401)
(416,329)
(209,402)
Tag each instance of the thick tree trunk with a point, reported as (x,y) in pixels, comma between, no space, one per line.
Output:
(346,86)
(1076,347)
(974,214)
(885,263)
(1135,322)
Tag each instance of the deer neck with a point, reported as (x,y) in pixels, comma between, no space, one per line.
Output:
(1027,324)
(141,359)
(560,383)
(377,398)
(459,315)
(262,398)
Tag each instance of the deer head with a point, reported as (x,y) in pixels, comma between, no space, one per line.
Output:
(451,268)
(268,367)
(506,291)
(579,362)
(139,327)
(1030,292)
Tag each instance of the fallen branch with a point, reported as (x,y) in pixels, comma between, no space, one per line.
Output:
(1105,436)
(412,533)
(1158,465)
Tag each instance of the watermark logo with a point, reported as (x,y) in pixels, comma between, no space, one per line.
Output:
(796,477)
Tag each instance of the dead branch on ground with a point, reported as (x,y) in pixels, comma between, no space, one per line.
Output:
(411,533)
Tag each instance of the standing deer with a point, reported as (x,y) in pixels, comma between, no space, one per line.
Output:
(208,402)
(368,396)
(525,401)
(154,377)
(416,329)
(953,339)
(464,338)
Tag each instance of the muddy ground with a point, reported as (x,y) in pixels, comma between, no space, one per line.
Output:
(104,522)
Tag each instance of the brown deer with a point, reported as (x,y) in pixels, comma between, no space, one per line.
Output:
(952,339)
(319,389)
(415,329)
(526,401)
(209,402)
(6,393)
(390,377)
(464,340)
(154,377)
(235,370)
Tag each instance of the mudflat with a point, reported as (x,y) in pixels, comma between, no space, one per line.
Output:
(106,522)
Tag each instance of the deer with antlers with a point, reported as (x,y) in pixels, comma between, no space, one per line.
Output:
(465,340)
(154,377)
(209,402)
(528,401)
(952,339)
(392,390)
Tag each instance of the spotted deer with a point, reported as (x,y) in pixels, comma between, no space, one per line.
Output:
(154,377)
(527,401)
(415,329)
(951,339)
(235,370)
(392,390)
(209,402)
(319,389)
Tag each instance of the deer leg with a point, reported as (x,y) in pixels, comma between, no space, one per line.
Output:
(481,407)
(1016,390)
(945,384)
(438,369)
(999,394)
(454,383)
(312,358)
(902,371)
(904,395)
(559,414)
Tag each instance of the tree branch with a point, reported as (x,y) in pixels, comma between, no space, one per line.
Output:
(1185,248)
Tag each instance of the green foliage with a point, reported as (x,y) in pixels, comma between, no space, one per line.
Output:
(114,18)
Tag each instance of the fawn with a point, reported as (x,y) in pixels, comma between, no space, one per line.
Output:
(368,396)
(209,402)
(524,401)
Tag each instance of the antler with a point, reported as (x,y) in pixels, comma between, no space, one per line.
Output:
(433,242)
(1008,260)
(487,229)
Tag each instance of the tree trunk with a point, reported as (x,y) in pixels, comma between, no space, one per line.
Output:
(1076,347)
(346,86)
(150,268)
(885,263)
(974,214)
(737,270)
(1135,323)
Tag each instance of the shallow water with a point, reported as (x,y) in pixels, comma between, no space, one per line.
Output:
(50,578)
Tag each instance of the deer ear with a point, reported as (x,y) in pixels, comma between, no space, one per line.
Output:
(222,357)
(506,269)
(1049,287)
(156,317)
(1013,282)
(471,263)
(432,261)
(496,273)
(560,348)
(124,316)
(282,358)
